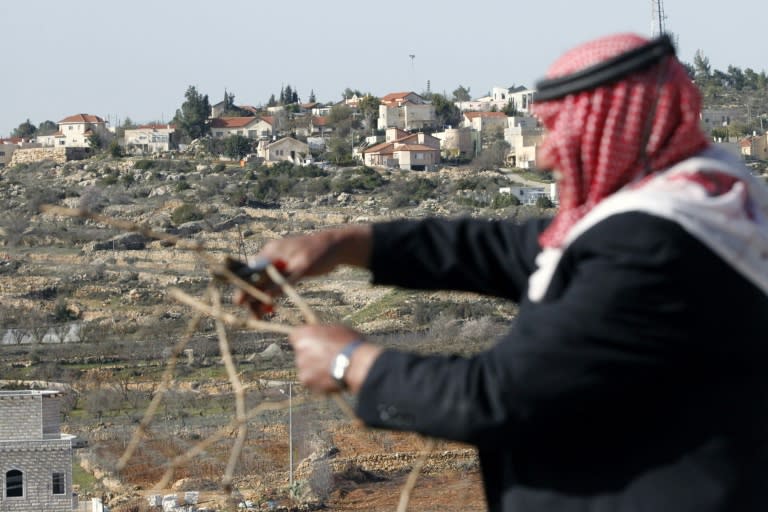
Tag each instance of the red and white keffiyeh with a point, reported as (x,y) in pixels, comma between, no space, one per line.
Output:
(601,139)
(635,145)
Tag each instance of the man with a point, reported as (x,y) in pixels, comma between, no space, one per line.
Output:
(635,377)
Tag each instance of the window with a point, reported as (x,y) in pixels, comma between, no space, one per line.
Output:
(14,484)
(57,483)
(2,153)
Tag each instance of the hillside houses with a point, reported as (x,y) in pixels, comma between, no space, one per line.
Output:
(415,151)
(151,138)
(75,131)
(250,127)
(407,111)
(517,98)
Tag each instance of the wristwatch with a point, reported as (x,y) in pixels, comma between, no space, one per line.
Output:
(341,363)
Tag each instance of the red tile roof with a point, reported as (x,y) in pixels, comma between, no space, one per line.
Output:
(232,122)
(379,148)
(319,121)
(414,147)
(81,119)
(396,98)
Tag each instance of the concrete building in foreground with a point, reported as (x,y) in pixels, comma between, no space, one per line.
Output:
(35,457)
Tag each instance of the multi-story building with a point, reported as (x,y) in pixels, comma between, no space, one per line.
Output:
(407,111)
(151,138)
(35,457)
(257,128)
(75,132)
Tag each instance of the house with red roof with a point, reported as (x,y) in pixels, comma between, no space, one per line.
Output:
(407,111)
(251,127)
(755,146)
(415,151)
(76,130)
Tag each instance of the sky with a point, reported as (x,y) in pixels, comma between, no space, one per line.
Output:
(135,59)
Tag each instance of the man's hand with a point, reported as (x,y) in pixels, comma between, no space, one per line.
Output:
(319,253)
(316,348)
(313,255)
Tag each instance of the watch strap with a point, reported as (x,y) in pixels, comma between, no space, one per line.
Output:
(341,362)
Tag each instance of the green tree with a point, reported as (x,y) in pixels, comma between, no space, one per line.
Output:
(461,93)
(369,108)
(25,130)
(47,128)
(312,96)
(736,77)
(236,146)
(340,117)
(702,69)
(689,69)
(493,156)
(339,150)
(192,117)
(348,93)
(510,108)
(446,111)
(96,141)
(115,149)
(272,101)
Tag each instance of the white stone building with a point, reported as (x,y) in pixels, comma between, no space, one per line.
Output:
(256,128)
(35,457)
(286,149)
(151,138)
(407,111)
(524,135)
(74,132)
(415,151)
(521,98)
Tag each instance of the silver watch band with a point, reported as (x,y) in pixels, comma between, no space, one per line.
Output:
(341,362)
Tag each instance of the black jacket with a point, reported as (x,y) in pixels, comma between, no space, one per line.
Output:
(639,382)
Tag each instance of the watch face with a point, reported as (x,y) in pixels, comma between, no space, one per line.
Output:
(340,365)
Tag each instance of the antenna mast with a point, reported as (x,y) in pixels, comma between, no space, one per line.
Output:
(657,18)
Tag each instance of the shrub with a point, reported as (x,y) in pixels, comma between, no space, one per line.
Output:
(544,202)
(504,201)
(128,179)
(186,213)
(143,165)
(406,192)
(115,150)
(360,179)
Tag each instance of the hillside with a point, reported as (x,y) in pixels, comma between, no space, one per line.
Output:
(85,304)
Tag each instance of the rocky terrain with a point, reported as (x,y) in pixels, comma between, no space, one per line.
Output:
(84,304)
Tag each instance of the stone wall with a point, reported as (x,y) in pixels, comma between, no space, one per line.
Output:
(58,155)
(21,417)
